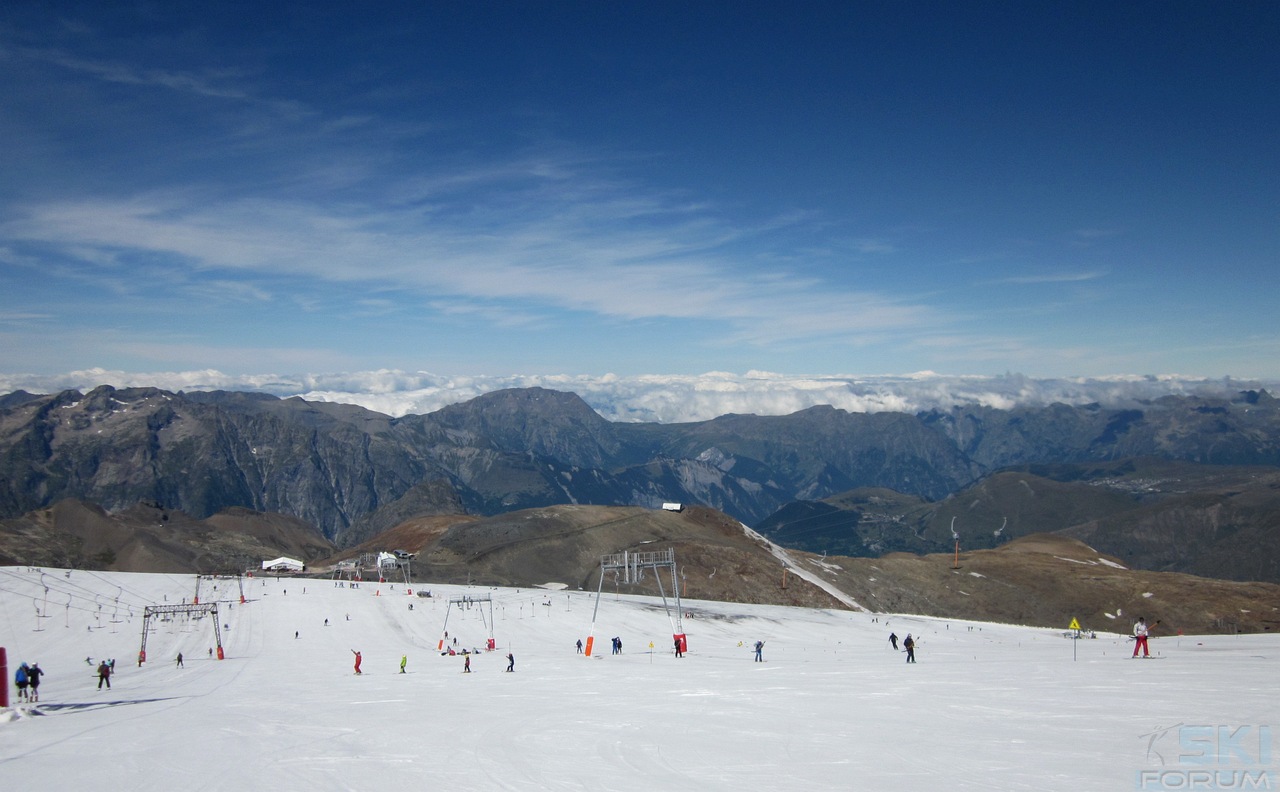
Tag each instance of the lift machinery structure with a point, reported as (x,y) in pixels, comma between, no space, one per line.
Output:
(629,567)
(467,603)
(151,611)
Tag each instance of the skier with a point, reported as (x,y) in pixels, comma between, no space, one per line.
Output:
(404,659)
(893,639)
(579,646)
(910,645)
(466,664)
(511,662)
(179,659)
(21,680)
(104,675)
(358,659)
(1140,632)
(679,648)
(33,676)
(759,649)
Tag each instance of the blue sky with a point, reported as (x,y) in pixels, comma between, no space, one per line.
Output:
(1053,189)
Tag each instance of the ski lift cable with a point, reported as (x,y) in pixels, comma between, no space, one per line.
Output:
(184,588)
(60,585)
(87,607)
(11,623)
(180,588)
(90,605)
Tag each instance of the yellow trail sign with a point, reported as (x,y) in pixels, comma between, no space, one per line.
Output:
(1075,624)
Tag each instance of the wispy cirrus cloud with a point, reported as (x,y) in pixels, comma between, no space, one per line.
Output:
(24,317)
(1055,277)
(223,83)
(127,74)
(585,247)
(350,219)
(874,246)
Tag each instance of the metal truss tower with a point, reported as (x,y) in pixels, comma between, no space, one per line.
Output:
(631,566)
(165,610)
(467,602)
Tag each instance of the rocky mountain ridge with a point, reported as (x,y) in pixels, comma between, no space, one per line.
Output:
(339,466)
(1220,521)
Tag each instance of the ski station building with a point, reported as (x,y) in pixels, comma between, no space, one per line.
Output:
(283,564)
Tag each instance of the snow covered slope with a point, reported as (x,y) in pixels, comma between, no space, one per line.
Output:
(833,707)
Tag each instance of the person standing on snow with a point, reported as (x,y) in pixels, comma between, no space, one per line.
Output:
(511,662)
(33,677)
(466,665)
(179,659)
(104,675)
(759,650)
(21,680)
(909,644)
(1140,633)
(358,659)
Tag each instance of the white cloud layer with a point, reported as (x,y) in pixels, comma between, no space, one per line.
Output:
(665,398)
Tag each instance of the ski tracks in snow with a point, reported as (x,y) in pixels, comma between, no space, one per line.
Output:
(796,569)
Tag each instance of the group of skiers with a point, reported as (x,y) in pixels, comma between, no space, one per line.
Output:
(908,646)
(28,676)
(404,662)
(1141,632)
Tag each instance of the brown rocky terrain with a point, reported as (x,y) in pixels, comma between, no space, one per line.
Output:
(146,538)
(1048,580)
(562,545)
(1041,579)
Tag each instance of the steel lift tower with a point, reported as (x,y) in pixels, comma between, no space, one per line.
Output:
(631,566)
(165,610)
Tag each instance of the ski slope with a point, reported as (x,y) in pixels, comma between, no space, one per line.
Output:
(832,707)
